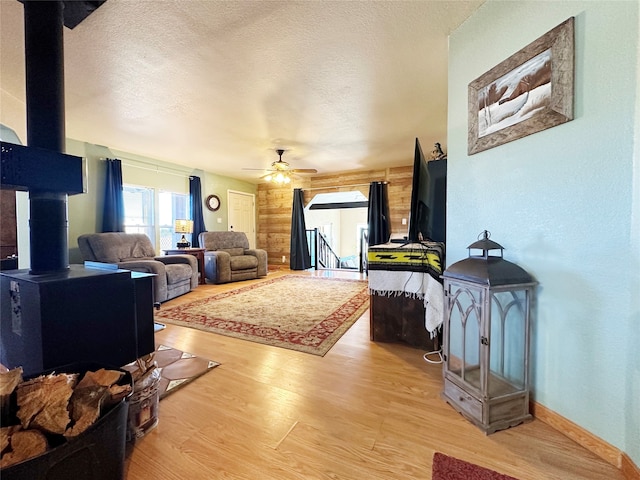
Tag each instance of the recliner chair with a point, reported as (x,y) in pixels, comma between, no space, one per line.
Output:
(175,274)
(228,258)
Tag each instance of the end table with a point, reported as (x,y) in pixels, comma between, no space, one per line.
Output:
(196,252)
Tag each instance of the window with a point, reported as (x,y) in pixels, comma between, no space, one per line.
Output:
(138,211)
(172,206)
(141,216)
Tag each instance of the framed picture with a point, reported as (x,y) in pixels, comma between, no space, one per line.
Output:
(530,91)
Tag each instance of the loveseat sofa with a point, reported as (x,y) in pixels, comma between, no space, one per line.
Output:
(228,258)
(175,274)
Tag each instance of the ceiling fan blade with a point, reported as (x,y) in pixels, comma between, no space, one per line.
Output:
(259,169)
(304,170)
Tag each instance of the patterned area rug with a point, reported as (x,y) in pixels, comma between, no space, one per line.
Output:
(449,468)
(308,314)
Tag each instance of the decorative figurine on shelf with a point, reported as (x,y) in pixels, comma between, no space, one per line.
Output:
(437,153)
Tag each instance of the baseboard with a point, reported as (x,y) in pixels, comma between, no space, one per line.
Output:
(629,469)
(588,440)
(274,267)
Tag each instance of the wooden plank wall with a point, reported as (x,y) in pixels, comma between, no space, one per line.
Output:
(274,203)
(8,229)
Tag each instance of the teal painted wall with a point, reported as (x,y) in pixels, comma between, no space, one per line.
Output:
(564,204)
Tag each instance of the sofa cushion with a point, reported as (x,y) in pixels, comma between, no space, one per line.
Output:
(232,251)
(221,240)
(243,262)
(133,259)
(177,272)
(114,247)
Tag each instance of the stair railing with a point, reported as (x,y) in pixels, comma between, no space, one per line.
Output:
(327,258)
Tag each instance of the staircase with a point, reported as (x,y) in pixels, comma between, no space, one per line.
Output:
(323,256)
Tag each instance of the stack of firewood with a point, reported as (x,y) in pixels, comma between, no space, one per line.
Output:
(53,406)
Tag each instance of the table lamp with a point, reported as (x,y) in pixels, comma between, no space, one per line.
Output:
(184,226)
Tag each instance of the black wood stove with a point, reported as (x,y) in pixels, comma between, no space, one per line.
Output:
(54,314)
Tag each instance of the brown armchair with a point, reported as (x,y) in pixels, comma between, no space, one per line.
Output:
(228,258)
(174,274)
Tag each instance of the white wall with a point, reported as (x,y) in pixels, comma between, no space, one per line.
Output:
(349,220)
(320,217)
(344,223)
(563,203)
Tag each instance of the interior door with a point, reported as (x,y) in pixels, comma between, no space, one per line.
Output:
(242,217)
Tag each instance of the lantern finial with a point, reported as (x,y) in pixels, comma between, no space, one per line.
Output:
(485,244)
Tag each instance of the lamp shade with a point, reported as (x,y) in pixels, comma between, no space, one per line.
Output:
(184,226)
(280,178)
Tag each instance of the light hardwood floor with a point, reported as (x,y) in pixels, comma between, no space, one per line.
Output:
(365,410)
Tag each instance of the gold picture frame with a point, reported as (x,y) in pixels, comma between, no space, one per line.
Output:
(530,91)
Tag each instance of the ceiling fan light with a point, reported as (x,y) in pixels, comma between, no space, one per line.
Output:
(281,173)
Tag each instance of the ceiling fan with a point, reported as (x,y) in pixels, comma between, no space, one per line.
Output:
(282,172)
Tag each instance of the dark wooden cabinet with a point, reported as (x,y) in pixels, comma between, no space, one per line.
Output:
(398,318)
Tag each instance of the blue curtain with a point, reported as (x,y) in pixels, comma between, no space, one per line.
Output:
(299,250)
(195,193)
(113,215)
(378,214)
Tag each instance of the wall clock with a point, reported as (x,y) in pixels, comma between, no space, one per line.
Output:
(212,202)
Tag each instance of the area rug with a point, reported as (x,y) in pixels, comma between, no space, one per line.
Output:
(303,313)
(449,468)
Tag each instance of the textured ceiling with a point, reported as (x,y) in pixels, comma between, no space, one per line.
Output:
(219,85)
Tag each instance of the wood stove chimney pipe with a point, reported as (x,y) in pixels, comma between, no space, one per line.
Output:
(44,63)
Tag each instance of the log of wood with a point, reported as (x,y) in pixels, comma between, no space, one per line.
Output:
(9,379)
(86,404)
(101,377)
(106,378)
(5,435)
(117,393)
(43,402)
(25,444)
(94,392)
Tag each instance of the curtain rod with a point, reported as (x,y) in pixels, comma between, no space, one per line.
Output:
(156,169)
(342,186)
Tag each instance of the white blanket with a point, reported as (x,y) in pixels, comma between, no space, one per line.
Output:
(419,285)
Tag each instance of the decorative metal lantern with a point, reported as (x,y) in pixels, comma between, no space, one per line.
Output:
(486,338)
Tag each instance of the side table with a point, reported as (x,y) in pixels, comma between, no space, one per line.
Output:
(196,252)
